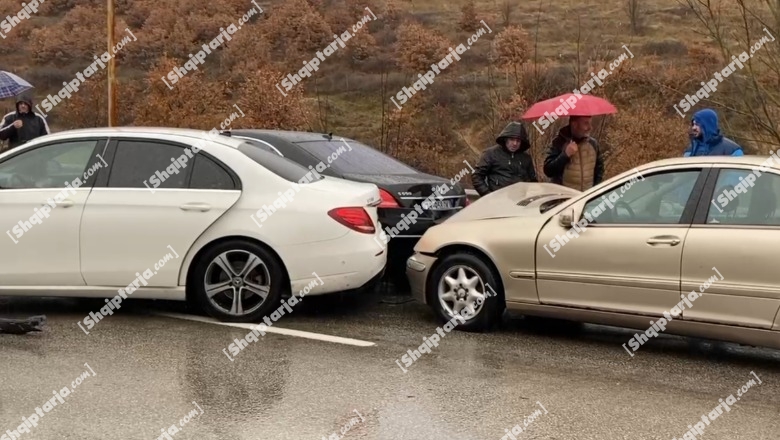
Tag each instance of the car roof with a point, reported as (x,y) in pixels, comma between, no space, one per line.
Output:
(290,136)
(724,160)
(132,131)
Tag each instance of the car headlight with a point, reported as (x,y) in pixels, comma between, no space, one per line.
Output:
(415,265)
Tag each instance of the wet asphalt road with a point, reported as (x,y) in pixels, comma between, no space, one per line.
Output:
(151,371)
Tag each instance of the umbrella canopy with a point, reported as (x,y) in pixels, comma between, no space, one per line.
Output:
(11,85)
(583,105)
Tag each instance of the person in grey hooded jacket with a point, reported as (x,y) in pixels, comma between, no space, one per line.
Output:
(505,163)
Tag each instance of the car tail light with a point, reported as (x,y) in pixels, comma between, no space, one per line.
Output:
(468,202)
(388,201)
(355,218)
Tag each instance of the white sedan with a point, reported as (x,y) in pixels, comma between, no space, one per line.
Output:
(87,212)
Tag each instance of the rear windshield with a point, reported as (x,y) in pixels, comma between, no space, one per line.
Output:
(281,166)
(263,146)
(361,160)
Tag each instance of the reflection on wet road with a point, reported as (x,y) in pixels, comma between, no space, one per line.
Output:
(151,368)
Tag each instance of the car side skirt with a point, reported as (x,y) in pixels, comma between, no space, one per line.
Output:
(739,335)
(163,293)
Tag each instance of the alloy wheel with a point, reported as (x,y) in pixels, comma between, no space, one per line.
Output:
(461,287)
(237,282)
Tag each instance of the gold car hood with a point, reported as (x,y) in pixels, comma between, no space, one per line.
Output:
(518,200)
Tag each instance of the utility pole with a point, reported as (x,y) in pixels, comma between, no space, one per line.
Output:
(112,111)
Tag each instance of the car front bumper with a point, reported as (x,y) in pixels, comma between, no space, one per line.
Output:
(418,266)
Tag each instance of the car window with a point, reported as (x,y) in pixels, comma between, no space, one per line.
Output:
(47,167)
(281,166)
(139,164)
(655,199)
(299,155)
(742,198)
(207,174)
(361,160)
(261,145)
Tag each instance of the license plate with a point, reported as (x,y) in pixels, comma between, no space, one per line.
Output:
(439,205)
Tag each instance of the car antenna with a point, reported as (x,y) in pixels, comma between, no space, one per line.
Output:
(329,136)
(225,133)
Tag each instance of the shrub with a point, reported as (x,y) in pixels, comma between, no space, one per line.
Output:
(665,48)
(74,37)
(418,47)
(641,135)
(49,77)
(469,21)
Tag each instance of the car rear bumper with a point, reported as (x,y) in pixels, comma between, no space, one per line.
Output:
(418,266)
(347,263)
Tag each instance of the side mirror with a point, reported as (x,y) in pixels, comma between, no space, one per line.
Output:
(566,218)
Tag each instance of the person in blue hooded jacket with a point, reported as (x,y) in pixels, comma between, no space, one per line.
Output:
(706,138)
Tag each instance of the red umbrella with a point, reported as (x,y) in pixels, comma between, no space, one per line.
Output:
(570,104)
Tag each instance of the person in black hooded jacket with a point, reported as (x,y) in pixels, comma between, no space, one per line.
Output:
(22,125)
(505,163)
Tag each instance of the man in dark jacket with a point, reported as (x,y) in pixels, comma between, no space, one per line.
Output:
(574,159)
(706,138)
(22,125)
(505,163)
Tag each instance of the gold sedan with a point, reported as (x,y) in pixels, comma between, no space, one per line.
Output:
(690,242)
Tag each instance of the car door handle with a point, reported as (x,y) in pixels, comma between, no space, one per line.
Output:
(202,207)
(67,203)
(663,239)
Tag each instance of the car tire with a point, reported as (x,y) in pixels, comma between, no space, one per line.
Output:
(238,267)
(455,266)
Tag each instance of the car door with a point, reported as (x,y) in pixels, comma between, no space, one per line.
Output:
(42,194)
(627,259)
(128,225)
(730,254)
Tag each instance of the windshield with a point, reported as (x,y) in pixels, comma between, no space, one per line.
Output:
(362,159)
(281,166)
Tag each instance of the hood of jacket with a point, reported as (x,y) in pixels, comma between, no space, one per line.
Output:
(27,100)
(707,119)
(514,130)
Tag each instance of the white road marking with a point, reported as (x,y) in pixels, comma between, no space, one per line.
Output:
(275,329)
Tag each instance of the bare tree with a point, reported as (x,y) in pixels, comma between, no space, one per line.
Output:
(469,21)
(506,9)
(635,16)
(752,41)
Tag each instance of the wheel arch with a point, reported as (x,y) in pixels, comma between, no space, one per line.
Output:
(199,254)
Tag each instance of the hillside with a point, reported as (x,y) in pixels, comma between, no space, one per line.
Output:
(533,51)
